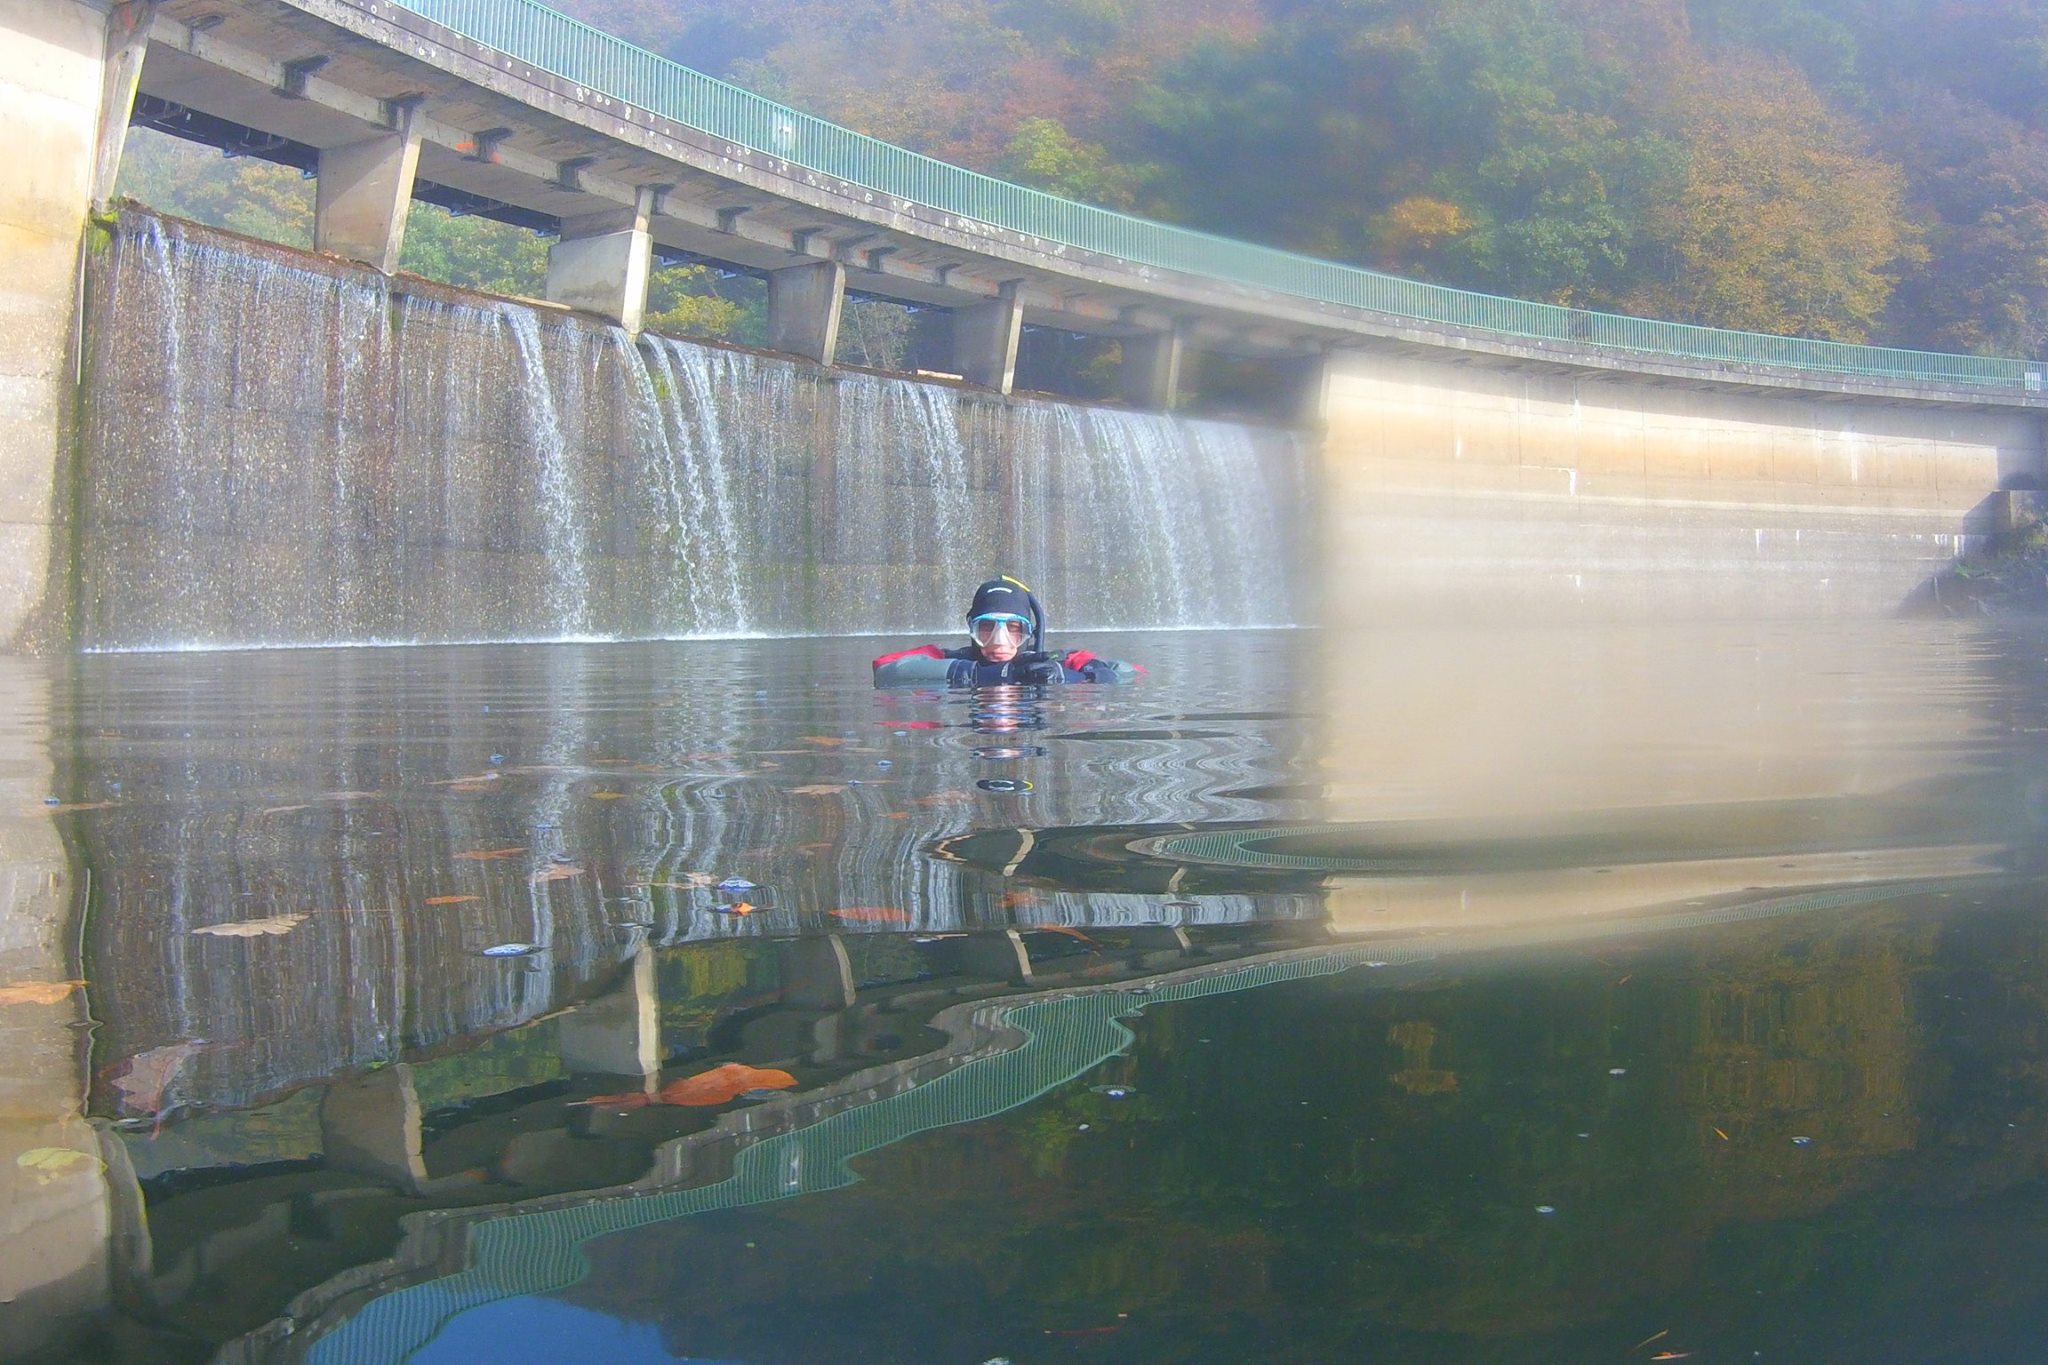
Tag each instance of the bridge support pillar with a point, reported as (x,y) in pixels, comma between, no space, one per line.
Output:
(602,263)
(985,340)
(1149,375)
(1312,392)
(817,974)
(371,1123)
(804,303)
(364,193)
(619,1032)
(127,39)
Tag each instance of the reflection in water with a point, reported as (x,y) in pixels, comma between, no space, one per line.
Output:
(1725,890)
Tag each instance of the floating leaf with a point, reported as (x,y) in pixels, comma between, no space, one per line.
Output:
(254,928)
(735,885)
(63,807)
(45,1164)
(509,950)
(818,789)
(1016,900)
(724,1083)
(485,855)
(143,1078)
(451,900)
(871,914)
(555,872)
(468,779)
(735,908)
(37,992)
(281,810)
(822,741)
(630,1099)
(607,796)
(690,881)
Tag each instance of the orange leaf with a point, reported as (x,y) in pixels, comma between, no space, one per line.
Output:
(484,855)
(253,928)
(721,1084)
(871,914)
(823,741)
(37,992)
(818,789)
(1061,929)
(451,900)
(631,1099)
(556,872)
(1012,900)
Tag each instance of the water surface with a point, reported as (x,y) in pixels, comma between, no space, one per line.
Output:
(1423,996)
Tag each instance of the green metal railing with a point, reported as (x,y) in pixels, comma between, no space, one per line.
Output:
(531,33)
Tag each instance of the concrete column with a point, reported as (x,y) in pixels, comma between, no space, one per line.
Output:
(371,1123)
(619,1032)
(602,262)
(364,194)
(985,340)
(1149,375)
(1312,392)
(817,974)
(53,84)
(127,40)
(999,953)
(804,302)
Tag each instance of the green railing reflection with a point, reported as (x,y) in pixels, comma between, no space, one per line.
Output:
(541,37)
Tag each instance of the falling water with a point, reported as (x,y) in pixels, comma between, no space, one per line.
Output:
(567,588)
(351,459)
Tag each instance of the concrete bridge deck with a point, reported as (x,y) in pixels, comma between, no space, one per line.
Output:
(387,104)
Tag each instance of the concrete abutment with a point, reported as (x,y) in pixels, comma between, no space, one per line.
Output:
(58,90)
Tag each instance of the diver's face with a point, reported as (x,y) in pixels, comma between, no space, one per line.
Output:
(1000,637)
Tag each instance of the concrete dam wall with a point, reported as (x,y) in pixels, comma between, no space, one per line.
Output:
(1455,485)
(283,450)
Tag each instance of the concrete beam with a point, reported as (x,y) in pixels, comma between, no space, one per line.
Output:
(1149,374)
(617,1033)
(602,263)
(371,1123)
(804,304)
(364,194)
(817,974)
(127,40)
(985,339)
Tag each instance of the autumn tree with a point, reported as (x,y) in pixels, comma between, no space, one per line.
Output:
(1787,221)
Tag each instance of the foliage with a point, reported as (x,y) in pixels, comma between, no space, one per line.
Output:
(475,253)
(693,300)
(1786,223)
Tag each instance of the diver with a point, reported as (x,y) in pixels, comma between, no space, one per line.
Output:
(1006,644)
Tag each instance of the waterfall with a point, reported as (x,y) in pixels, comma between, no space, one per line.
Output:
(280,450)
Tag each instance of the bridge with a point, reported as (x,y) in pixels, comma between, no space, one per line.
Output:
(506,108)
